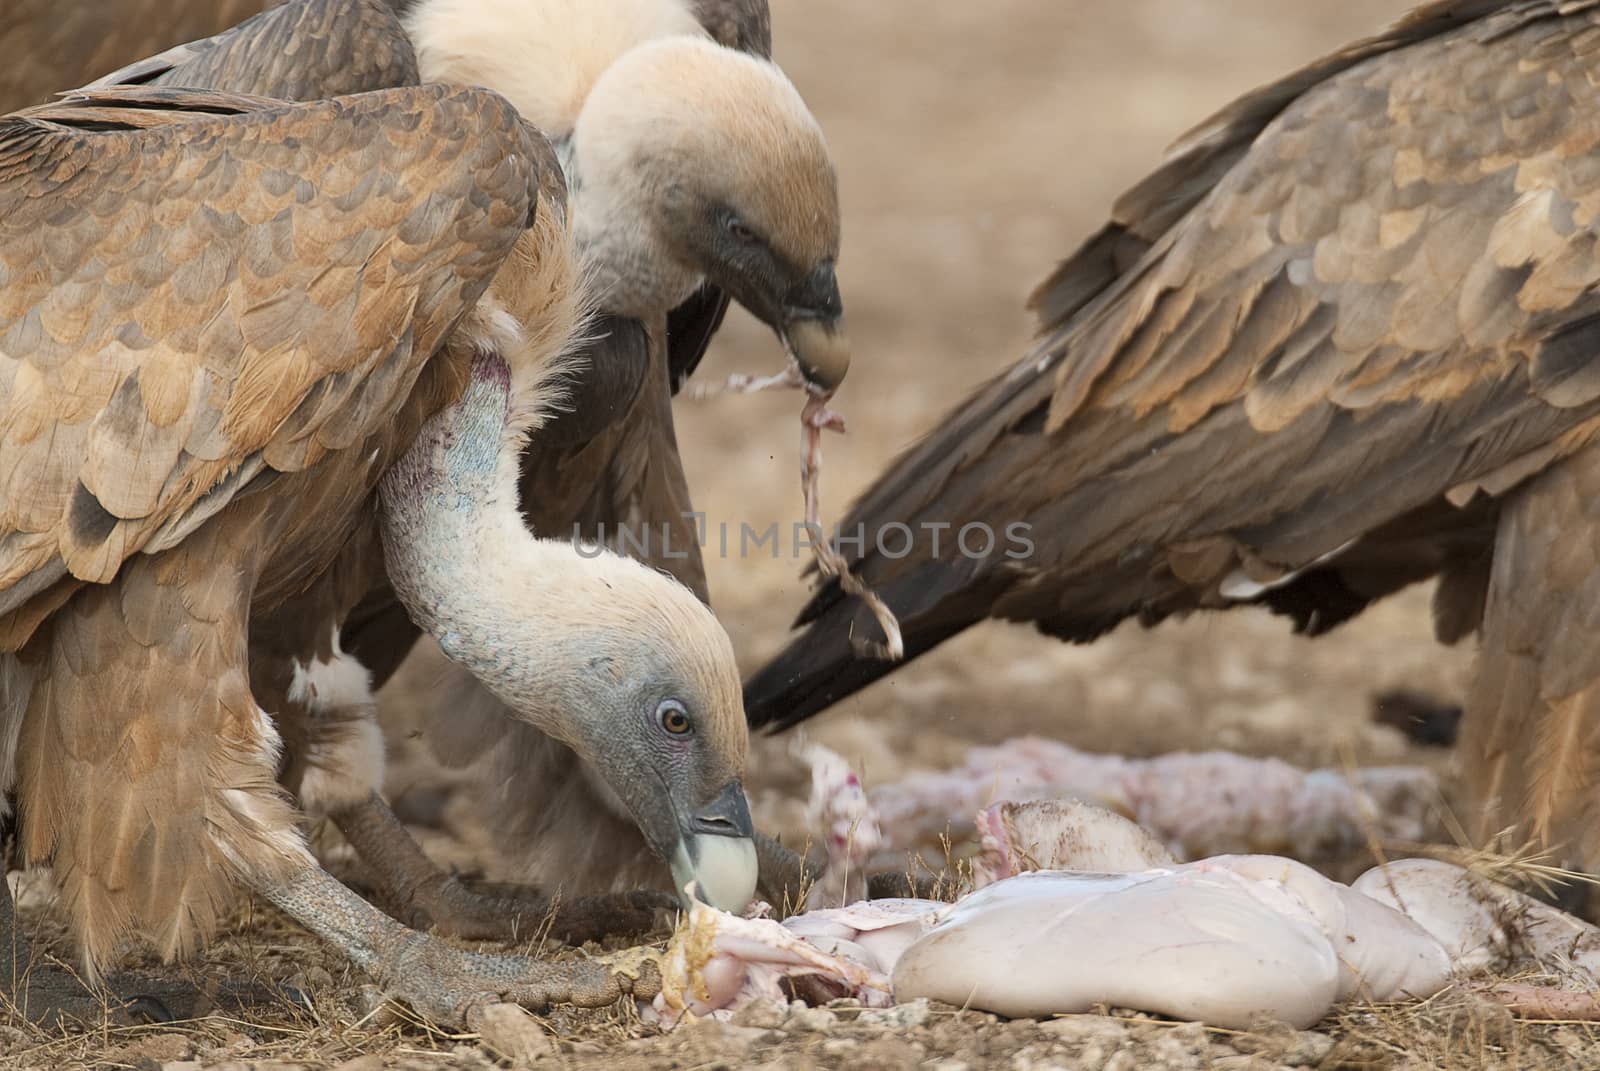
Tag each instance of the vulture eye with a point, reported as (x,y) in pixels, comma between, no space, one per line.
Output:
(673,718)
(740,232)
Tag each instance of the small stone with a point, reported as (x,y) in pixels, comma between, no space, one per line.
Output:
(1180,1048)
(1095,1042)
(839,1046)
(1083,1028)
(157,1049)
(370,1062)
(951,1065)
(513,1034)
(1487,1021)
(900,1017)
(1123,1060)
(1308,1049)
(814,1020)
(311,979)
(1034,1058)
(726,1037)
(765,1014)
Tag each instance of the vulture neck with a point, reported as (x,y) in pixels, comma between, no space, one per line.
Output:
(617,226)
(518,612)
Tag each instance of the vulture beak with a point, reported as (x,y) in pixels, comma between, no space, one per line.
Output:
(812,329)
(716,852)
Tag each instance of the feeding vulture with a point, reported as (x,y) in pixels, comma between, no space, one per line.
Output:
(695,168)
(1344,339)
(254,354)
(767,233)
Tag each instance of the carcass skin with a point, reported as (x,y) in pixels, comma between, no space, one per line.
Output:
(1228,940)
(1197,805)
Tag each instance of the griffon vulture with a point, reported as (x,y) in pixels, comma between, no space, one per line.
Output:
(696,172)
(1343,340)
(247,350)
(766,232)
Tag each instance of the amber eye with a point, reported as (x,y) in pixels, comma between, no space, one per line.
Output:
(673,718)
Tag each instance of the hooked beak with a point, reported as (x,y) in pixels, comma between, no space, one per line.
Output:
(820,348)
(812,328)
(716,852)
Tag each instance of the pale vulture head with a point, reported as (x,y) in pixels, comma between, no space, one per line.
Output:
(695,162)
(652,702)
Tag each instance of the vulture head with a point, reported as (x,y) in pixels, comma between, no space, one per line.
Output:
(697,163)
(650,698)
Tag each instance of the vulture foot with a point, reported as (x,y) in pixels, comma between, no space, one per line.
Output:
(424,897)
(446,984)
(451,986)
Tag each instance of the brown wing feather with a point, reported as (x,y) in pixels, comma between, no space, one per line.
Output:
(1386,296)
(307,50)
(224,295)
(1199,159)
(143,752)
(47,46)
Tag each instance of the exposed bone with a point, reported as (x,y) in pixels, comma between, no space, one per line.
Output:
(717,962)
(1544,1002)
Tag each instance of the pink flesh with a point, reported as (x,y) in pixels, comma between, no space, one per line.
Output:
(1195,804)
(1226,939)
(839,808)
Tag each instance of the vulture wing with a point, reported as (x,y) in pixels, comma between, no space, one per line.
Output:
(305,50)
(50,45)
(198,291)
(1352,299)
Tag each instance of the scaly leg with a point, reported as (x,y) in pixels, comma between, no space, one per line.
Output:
(443,983)
(424,896)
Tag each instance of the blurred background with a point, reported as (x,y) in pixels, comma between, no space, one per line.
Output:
(977,144)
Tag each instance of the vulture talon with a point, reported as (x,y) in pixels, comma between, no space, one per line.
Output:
(445,984)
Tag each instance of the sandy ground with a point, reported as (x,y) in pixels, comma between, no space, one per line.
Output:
(977,143)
